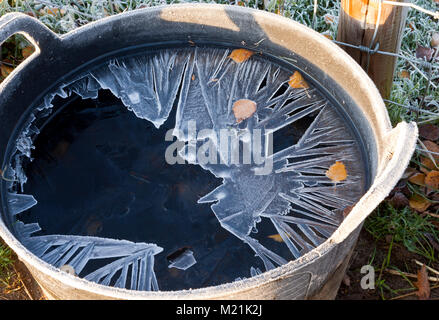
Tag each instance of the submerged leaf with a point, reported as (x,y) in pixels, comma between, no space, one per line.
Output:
(240,55)
(337,172)
(296,81)
(276,237)
(243,109)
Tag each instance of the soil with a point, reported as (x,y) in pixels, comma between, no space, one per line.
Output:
(370,251)
(21,285)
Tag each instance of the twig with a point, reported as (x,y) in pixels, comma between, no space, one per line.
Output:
(432,214)
(411,293)
(22,282)
(428,268)
(409,275)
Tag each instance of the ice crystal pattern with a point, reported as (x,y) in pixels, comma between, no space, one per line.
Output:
(303,205)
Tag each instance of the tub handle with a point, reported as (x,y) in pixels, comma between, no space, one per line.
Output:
(34,31)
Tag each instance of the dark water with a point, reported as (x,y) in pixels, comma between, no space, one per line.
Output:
(100,171)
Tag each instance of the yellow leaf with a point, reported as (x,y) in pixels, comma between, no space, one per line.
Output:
(240,55)
(432,179)
(418,178)
(419,203)
(297,81)
(5,70)
(55,11)
(337,172)
(276,237)
(27,51)
(404,74)
(426,165)
(243,109)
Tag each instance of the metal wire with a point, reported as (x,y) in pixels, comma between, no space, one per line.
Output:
(426,64)
(413,6)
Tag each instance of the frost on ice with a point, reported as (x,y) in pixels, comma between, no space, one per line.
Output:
(183,261)
(301,203)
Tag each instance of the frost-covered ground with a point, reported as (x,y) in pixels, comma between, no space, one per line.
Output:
(409,85)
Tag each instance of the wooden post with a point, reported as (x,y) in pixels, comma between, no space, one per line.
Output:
(357,22)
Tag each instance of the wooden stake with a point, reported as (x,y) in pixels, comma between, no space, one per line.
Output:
(357,24)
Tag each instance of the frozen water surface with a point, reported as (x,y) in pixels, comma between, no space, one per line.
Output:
(277,215)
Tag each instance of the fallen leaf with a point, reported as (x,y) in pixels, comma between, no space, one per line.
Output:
(435,39)
(433,147)
(347,280)
(411,26)
(193,77)
(422,284)
(404,74)
(424,53)
(240,55)
(5,70)
(276,237)
(399,200)
(296,81)
(53,11)
(328,36)
(409,172)
(432,179)
(329,19)
(418,178)
(429,132)
(243,109)
(426,165)
(419,203)
(27,51)
(337,172)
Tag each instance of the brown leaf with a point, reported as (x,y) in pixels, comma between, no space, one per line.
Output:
(435,39)
(426,165)
(5,70)
(433,147)
(347,280)
(27,51)
(329,19)
(243,109)
(419,203)
(337,172)
(418,178)
(429,132)
(424,53)
(404,74)
(296,81)
(399,200)
(328,36)
(53,11)
(240,55)
(409,172)
(422,284)
(432,179)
